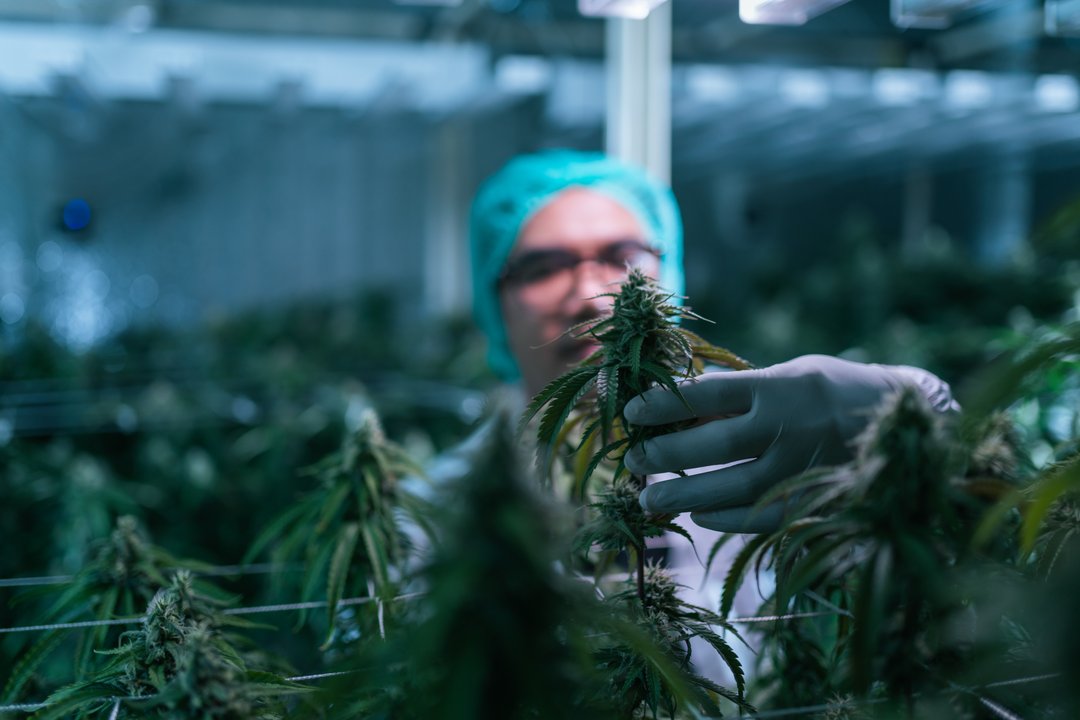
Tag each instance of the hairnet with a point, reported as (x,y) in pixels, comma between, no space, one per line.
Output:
(508,199)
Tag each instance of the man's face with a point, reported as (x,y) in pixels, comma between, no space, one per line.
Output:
(575,248)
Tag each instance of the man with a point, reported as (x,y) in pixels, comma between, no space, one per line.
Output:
(550,233)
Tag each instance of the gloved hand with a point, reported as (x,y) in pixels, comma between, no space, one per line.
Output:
(779,421)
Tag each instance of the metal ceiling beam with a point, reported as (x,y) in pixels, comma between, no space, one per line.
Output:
(725,40)
(281,20)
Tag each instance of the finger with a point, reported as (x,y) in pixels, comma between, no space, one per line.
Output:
(716,393)
(703,492)
(713,443)
(746,519)
(727,487)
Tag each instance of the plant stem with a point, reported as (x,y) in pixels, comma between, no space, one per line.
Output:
(641,573)
(639,482)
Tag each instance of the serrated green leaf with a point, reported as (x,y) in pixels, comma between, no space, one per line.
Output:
(332,506)
(28,662)
(734,576)
(339,569)
(635,360)
(869,612)
(376,556)
(599,456)
(548,392)
(1055,483)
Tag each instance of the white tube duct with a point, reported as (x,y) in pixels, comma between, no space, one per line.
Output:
(638,122)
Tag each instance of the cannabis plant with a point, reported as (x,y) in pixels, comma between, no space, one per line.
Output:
(498,632)
(799,658)
(641,345)
(889,535)
(640,683)
(1044,368)
(181,663)
(346,531)
(125,573)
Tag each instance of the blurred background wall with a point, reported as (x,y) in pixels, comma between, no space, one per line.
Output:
(176,161)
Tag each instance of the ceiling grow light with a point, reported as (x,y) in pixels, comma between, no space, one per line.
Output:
(783,12)
(629,9)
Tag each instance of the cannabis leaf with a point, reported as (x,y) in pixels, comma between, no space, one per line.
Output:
(125,572)
(499,633)
(641,345)
(180,663)
(345,531)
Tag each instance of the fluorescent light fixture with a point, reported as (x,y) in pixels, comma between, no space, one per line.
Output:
(712,84)
(931,14)
(968,90)
(1057,93)
(522,74)
(629,9)
(783,12)
(1062,17)
(903,86)
(804,88)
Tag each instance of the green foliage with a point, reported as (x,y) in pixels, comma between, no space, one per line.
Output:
(640,680)
(889,534)
(980,572)
(947,546)
(180,664)
(867,294)
(499,633)
(641,345)
(124,574)
(345,531)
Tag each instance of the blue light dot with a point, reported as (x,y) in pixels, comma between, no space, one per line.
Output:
(76,214)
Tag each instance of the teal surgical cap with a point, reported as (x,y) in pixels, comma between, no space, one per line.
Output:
(508,199)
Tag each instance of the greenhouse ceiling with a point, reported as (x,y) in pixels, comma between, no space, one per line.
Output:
(849,89)
(995,34)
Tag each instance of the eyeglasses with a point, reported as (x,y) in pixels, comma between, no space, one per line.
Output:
(536,267)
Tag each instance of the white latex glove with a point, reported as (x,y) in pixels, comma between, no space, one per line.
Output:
(780,420)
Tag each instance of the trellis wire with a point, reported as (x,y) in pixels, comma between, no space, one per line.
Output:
(994,707)
(313,604)
(320,676)
(34,707)
(780,712)
(1002,712)
(831,606)
(217,571)
(70,625)
(804,709)
(1021,681)
(789,616)
(284,607)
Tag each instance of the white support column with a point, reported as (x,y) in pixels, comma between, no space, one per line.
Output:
(638,124)
(446,254)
